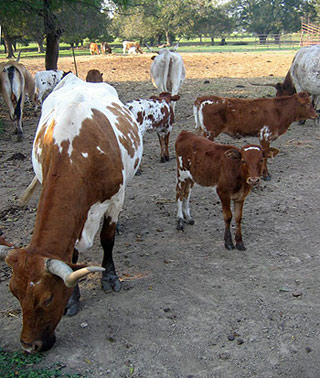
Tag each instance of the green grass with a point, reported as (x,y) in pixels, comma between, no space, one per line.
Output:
(240,43)
(17,364)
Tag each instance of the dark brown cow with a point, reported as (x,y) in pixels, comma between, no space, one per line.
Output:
(86,150)
(232,170)
(265,118)
(157,114)
(94,76)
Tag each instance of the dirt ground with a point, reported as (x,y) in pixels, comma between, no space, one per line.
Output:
(188,307)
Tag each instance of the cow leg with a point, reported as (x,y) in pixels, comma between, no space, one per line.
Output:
(162,148)
(183,201)
(238,206)
(73,305)
(227,216)
(264,171)
(166,143)
(110,281)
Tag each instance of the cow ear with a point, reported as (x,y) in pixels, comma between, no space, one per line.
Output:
(273,152)
(233,154)
(175,98)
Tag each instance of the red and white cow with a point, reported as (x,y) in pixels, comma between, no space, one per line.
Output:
(94,48)
(128,44)
(265,118)
(87,148)
(15,83)
(157,114)
(45,82)
(167,71)
(105,48)
(231,170)
(94,76)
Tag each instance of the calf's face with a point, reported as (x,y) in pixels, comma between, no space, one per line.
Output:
(304,108)
(251,160)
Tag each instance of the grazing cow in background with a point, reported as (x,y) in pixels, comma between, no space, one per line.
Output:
(105,48)
(157,114)
(132,50)
(128,44)
(45,82)
(168,72)
(94,49)
(94,76)
(15,83)
(87,148)
(231,170)
(265,118)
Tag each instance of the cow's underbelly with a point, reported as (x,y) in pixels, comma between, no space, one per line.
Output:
(110,207)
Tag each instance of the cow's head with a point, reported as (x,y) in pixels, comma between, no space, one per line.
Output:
(251,159)
(43,287)
(304,108)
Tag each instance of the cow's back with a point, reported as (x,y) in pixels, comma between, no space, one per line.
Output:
(305,69)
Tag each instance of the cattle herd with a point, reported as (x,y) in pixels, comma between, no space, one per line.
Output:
(87,148)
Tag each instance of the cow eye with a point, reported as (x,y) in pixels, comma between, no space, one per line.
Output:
(48,301)
(243,162)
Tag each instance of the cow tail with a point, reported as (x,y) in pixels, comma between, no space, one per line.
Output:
(196,117)
(166,75)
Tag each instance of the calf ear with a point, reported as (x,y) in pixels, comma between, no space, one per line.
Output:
(233,154)
(273,152)
(175,98)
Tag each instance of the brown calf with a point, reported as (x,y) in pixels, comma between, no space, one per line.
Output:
(265,118)
(105,48)
(94,49)
(94,76)
(231,170)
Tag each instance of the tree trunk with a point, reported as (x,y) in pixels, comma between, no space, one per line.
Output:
(168,38)
(262,39)
(8,42)
(53,33)
(212,40)
(40,45)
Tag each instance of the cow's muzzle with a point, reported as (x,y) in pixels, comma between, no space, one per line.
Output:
(38,345)
(253,181)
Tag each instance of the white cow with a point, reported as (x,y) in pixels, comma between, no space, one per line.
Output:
(168,71)
(45,82)
(15,83)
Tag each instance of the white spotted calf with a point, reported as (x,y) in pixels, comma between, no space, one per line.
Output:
(156,113)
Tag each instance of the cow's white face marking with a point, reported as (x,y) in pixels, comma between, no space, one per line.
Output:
(252,148)
(84,154)
(34,284)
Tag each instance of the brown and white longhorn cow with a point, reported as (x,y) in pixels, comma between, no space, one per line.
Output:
(231,170)
(129,44)
(265,118)
(157,114)
(87,148)
(15,83)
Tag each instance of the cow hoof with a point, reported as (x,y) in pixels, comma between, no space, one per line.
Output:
(162,160)
(267,177)
(180,225)
(190,221)
(229,246)
(302,122)
(240,247)
(110,282)
(19,137)
(72,309)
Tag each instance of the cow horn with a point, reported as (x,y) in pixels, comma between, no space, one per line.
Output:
(4,251)
(64,271)
(264,85)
